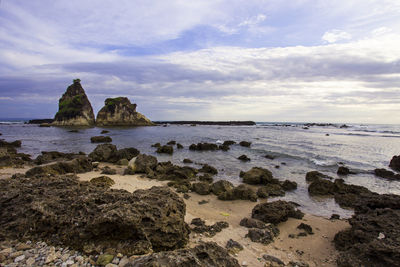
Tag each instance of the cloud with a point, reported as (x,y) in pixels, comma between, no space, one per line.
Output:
(334,36)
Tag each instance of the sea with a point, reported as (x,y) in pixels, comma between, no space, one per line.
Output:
(297,147)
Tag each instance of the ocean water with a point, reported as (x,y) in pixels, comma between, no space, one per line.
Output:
(297,150)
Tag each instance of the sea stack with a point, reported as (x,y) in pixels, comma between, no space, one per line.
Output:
(74,108)
(120,111)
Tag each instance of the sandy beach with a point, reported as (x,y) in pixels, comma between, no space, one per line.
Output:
(315,250)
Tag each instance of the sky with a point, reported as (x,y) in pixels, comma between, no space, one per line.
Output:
(260,60)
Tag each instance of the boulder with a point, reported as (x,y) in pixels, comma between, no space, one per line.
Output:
(208,230)
(343,171)
(206,178)
(242,192)
(126,153)
(165,149)
(104,132)
(203,147)
(74,108)
(252,223)
(204,254)
(109,171)
(179,146)
(201,188)
(187,161)
(271,190)
(143,163)
(103,181)
(395,163)
(51,156)
(78,165)
(228,143)
(120,111)
(109,153)
(257,176)
(100,139)
(233,246)
(275,212)
(289,185)
(387,174)
(263,236)
(307,228)
(245,143)
(315,175)
(244,158)
(221,186)
(321,187)
(208,169)
(63,211)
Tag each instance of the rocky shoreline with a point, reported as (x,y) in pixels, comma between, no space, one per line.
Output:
(118,207)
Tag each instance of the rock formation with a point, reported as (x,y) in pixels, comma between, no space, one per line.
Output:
(120,112)
(74,107)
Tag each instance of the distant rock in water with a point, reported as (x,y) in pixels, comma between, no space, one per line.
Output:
(74,108)
(121,112)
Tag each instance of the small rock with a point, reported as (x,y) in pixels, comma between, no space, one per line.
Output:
(19,258)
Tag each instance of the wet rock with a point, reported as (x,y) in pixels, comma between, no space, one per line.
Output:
(228,143)
(120,111)
(179,146)
(233,246)
(74,107)
(206,178)
(307,228)
(78,165)
(245,143)
(386,174)
(374,236)
(203,147)
(109,153)
(395,163)
(165,150)
(100,139)
(187,161)
(103,181)
(244,158)
(270,191)
(126,153)
(51,156)
(156,145)
(85,217)
(335,217)
(204,254)
(275,212)
(168,171)
(208,169)
(257,176)
(221,186)
(271,157)
(109,171)
(224,147)
(252,223)
(289,185)
(316,175)
(14,144)
(104,132)
(208,230)
(143,163)
(343,171)
(171,143)
(242,192)
(321,187)
(201,188)
(263,236)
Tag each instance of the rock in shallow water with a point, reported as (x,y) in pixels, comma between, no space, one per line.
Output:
(275,212)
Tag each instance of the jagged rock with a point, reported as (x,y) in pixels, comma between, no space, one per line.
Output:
(221,186)
(143,163)
(103,181)
(203,147)
(109,171)
(258,175)
(208,169)
(206,178)
(270,190)
(16,143)
(386,174)
(242,191)
(395,163)
(100,139)
(343,171)
(9,156)
(168,171)
(252,223)
(120,112)
(109,153)
(321,187)
(51,156)
(78,165)
(275,212)
(289,185)
(204,254)
(263,236)
(208,230)
(374,236)
(201,188)
(245,143)
(187,161)
(244,158)
(228,143)
(273,261)
(315,175)
(74,108)
(166,150)
(233,246)
(307,228)
(65,212)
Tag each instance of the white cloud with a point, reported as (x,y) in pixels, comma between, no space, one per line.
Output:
(334,36)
